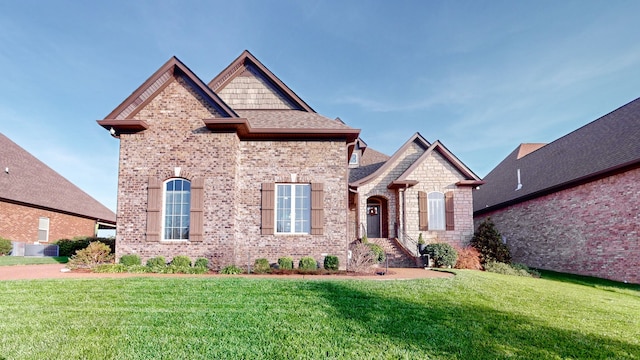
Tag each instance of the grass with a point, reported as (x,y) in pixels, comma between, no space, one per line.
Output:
(476,315)
(32,260)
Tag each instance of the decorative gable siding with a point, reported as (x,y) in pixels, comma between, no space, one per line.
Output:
(177,138)
(251,90)
(435,173)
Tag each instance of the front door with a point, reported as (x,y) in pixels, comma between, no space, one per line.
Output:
(373,221)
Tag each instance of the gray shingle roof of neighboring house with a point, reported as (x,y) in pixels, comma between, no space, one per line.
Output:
(30,182)
(608,144)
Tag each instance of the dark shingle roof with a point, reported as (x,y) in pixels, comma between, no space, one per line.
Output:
(606,144)
(289,119)
(31,182)
(370,161)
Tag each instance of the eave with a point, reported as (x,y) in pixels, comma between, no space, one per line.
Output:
(470,183)
(123,126)
(244,130)
(402,184)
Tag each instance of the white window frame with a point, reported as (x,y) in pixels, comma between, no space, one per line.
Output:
(164,211)
(436,211)
(355,156)
(43,225)
(292,214)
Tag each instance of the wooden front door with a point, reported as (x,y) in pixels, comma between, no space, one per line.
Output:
(373,221)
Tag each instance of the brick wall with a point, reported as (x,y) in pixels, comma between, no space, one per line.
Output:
(233,171)
(591,229)
(20,223)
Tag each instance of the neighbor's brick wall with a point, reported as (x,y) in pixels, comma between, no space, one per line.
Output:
(233,171)
(592,229)
(437,174)
(20,223)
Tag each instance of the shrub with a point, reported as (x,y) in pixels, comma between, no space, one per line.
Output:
(261,266)
(468,258)
(138,269)
(110,268)
(181,261)
(488,241)
(5,246)
(95,254)
(285,263)
(201,263)
(156,261)
(362,258)
(378,252)
(507,269)
(67,247)
(130,259)
(331,262)
(443,254)
(308,263)
(231,270)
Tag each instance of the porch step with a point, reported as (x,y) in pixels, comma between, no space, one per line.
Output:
(398,257)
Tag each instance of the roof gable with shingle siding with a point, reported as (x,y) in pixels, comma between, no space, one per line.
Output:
(607,144)
(30,182)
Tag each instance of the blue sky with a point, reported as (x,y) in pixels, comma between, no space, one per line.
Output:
(480,76)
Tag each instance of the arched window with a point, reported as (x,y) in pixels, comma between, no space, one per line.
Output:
(436,211)
(176,209)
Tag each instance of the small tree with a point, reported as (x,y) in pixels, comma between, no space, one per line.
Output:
(488,241)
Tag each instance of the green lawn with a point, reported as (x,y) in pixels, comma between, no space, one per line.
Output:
(32,260)
(475,315)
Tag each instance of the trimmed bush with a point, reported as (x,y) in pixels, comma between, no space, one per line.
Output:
(468,258)
(5,246)
(261,266)
(507,269)
(201,263)
(130,259)
(443,254)
(231,270)
(285,263)
(378,252)
(95,254)
(488,241)
(331,262)
(181,261)
(156,261)
(111,268)
(308,263)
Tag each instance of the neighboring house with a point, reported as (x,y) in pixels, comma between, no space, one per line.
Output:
(233,170)
(422,188)
(39,205)
(572,205)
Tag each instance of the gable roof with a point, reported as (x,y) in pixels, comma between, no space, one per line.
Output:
(121,118)
(470,177)
(255,96)
(417,138)
(601,147)
(30,182)
(296,120)
(370,161)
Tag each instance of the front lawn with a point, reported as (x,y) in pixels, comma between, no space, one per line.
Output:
(32,260)
(476,315)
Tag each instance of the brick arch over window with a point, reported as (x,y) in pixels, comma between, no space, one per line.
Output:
(154,209)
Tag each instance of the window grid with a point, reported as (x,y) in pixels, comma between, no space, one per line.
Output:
(293,208)
(177,206)
(436,211)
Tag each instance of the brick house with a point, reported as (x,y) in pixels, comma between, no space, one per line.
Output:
(422,188)
(39,205)
(572,205)
(233,170)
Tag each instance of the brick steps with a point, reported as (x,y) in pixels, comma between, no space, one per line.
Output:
(397,256)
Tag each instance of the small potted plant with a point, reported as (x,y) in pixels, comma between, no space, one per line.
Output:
(421,244)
